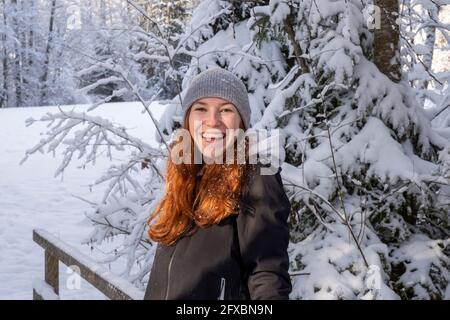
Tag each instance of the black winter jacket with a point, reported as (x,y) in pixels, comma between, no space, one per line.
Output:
(243,257)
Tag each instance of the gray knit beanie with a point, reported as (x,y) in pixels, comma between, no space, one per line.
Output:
(221,83)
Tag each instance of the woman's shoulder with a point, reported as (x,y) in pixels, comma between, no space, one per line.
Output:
(261,179)
(265,194)
(263,172)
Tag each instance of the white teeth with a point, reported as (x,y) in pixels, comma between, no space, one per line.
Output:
(210,135)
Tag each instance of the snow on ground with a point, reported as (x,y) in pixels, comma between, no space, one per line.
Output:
(30,196)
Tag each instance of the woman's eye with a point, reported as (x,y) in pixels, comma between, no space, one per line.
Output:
(227,110)
(199,109)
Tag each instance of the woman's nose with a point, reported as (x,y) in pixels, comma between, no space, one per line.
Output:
(213,119)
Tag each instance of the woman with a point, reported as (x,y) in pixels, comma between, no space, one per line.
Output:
(221,229)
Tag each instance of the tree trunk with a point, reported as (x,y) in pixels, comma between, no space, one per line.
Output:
(4,94)
(289,29)
(24,55)
(30,40)
(18,80)
(387,38)
(44,79)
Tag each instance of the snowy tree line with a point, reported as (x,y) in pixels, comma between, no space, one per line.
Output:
(365,122)
(50,49)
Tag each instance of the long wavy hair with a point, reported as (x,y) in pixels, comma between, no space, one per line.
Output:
(197,195)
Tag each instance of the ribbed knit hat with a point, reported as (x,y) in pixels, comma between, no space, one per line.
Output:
(221,83)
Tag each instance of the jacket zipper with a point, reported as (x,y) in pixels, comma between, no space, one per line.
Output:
(169,267)
(222,289)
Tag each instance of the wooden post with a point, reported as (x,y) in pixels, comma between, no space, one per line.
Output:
(52,271)
(36,295)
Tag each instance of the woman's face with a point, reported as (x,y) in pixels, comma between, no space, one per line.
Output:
(209,119)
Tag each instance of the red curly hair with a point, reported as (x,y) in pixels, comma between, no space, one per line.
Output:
(192,200)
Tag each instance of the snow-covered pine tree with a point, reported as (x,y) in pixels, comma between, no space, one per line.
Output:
(166,20)
(169,15)
(136,35)
(104,40)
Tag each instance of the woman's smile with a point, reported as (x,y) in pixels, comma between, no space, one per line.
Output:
(213,136)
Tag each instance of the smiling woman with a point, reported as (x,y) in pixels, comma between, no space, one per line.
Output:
(221,229)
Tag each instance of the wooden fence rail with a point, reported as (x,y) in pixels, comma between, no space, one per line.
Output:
(112,286)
